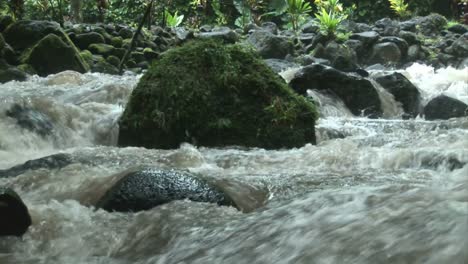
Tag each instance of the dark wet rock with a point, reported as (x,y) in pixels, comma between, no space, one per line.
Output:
(227,35)
(83,41)
(458,28)
(306,38)
(437,161)
(56,161)
(15,219)
(386,53)
(278,65)
(113,60)
(403,91)
(413,52)
(103,66)
(408,25)
(358,94)
(463,64)
(12,74)
(271,46)
(444,107)
(10,55)
(270,27)
(212,94)
(459,47)
(309,59)
(126,32)
(341,56)
(430,25)
(31,119)
(150,54)
(2,44)
(410,37)
(351,26)
(5,21)
(387,27)
(52,55)
(401,43)
(145,188)
(367,38)
(25,33)
(310,27)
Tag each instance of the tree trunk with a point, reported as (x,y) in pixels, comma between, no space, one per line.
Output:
(75,9)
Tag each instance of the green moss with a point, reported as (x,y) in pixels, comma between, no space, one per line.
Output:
(101,49)
(27,69)
(87,56)
(212,94)
(51,55)
(117,42)
(113,60)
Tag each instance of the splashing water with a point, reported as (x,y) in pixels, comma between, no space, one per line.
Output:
(370,191)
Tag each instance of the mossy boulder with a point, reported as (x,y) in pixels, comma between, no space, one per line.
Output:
(2,42)
(211,94)
(113,60)
(117,42)
(25,33)
(84,40)
(101,49)
(12,74)
(52,55)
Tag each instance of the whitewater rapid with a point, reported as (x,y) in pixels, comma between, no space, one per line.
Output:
(371,191)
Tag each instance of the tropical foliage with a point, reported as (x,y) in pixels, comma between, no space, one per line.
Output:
(331,13)
(399,7)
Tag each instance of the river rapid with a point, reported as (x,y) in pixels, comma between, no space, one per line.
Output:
(371,191)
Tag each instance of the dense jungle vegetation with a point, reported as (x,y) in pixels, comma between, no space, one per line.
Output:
(193,13)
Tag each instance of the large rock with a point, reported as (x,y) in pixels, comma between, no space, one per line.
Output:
(55,161)
(225,34)
(271,46)
(84,40)
(403,91)
(12,74)
(52,55)
(145,188)
(31,119)
(386,53)
(430,25)
(459,48)
(444,107)
(25,33)
(358,94)
(14,215)
(211,94)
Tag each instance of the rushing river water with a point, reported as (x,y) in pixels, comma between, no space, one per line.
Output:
(371,191)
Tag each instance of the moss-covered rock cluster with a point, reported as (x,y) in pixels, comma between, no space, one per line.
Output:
(212,94)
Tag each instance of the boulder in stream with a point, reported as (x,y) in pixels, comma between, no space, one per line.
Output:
(14,215)
(403,91)
(143,189)
(55,161)
(358,93)
(31,119)
(211,94)
(445,107)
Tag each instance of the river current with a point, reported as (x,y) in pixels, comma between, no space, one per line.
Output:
(371,191)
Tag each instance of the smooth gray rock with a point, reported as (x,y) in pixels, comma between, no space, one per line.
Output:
(444,107)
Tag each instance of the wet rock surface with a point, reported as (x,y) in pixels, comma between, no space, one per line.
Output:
(148,187)
(56,161)
(14,215)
